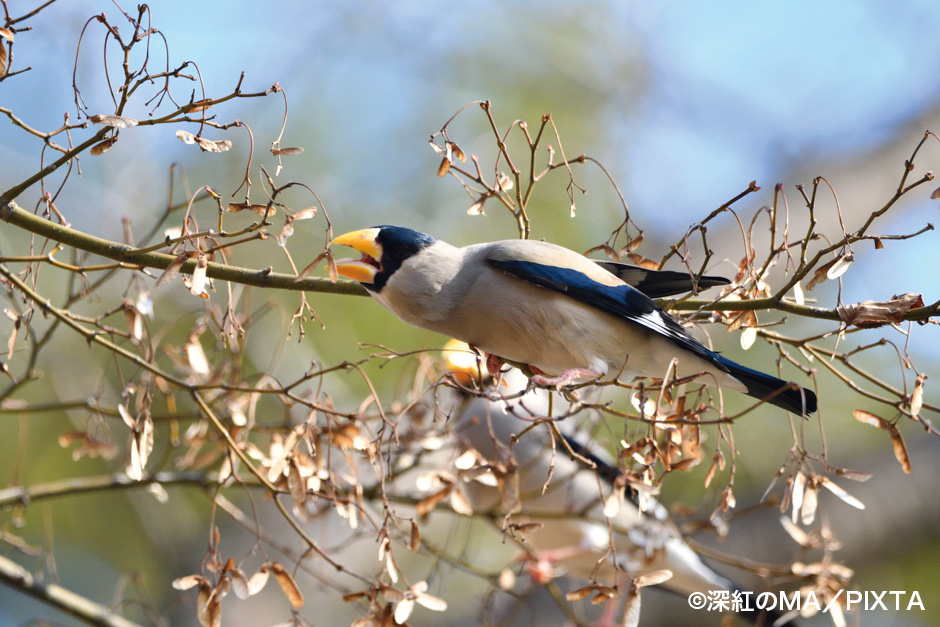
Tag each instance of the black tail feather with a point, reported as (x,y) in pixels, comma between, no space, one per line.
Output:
(659,283)
(777,392)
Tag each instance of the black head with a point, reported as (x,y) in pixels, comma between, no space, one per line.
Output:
(397,244)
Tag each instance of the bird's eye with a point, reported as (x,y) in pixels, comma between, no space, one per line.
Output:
(400,252)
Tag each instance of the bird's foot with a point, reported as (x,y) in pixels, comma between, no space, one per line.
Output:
(565,378)
(493,364)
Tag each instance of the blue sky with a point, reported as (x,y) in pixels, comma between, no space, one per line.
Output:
(721,93)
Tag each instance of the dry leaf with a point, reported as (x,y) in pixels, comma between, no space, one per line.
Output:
(503,182)
(114,121)
(466,460)
(728,500)
(869,418)
(134,320)
(870,314)
(403,610)
(917,397)
(304,214)
(854,475)
(840,266)
(207,145)
(716,460)
(134,469)
(748,337)
(103,146)
(476,209)
(186,137)
(685,464)
(3,60)
(286,231)
(459,501)
(427,601)
(391,594)
(631,608)
(196,356)
(208,606)
(391,568)
(6,33)
(258,581)
(799,536)
(600,597)
(808,511)
(14,333)
(200,280)
(643,262)
(796,494)
(187,582)
(295,483)
(798,294)
(239,583)
(145,442)
(288,585)
(653,579)
(581,593)
(286,151)
(836,489)
(632,245)
(352,597)
(900,451)
(822,273)
(612,504)
(444,168)
(426,505)
(261,210)
(173,269)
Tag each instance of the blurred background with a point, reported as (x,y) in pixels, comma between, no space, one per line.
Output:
(683,103)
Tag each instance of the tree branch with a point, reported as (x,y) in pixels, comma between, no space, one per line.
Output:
(134,259)
(60,598)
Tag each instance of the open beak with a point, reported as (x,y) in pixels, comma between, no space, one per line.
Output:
(366,267)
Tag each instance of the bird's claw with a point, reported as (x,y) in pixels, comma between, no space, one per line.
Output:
(564,379)
(493,364)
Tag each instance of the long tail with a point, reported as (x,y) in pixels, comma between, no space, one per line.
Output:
(788,396)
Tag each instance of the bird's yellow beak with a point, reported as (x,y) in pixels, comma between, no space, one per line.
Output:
(366,267)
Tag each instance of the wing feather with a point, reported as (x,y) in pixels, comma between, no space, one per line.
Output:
(622,301)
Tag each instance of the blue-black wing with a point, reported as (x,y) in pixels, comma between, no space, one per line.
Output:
(630,304)
(659,283)
(622,301)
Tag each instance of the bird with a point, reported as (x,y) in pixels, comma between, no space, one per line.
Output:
(566,499)
(557,314)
